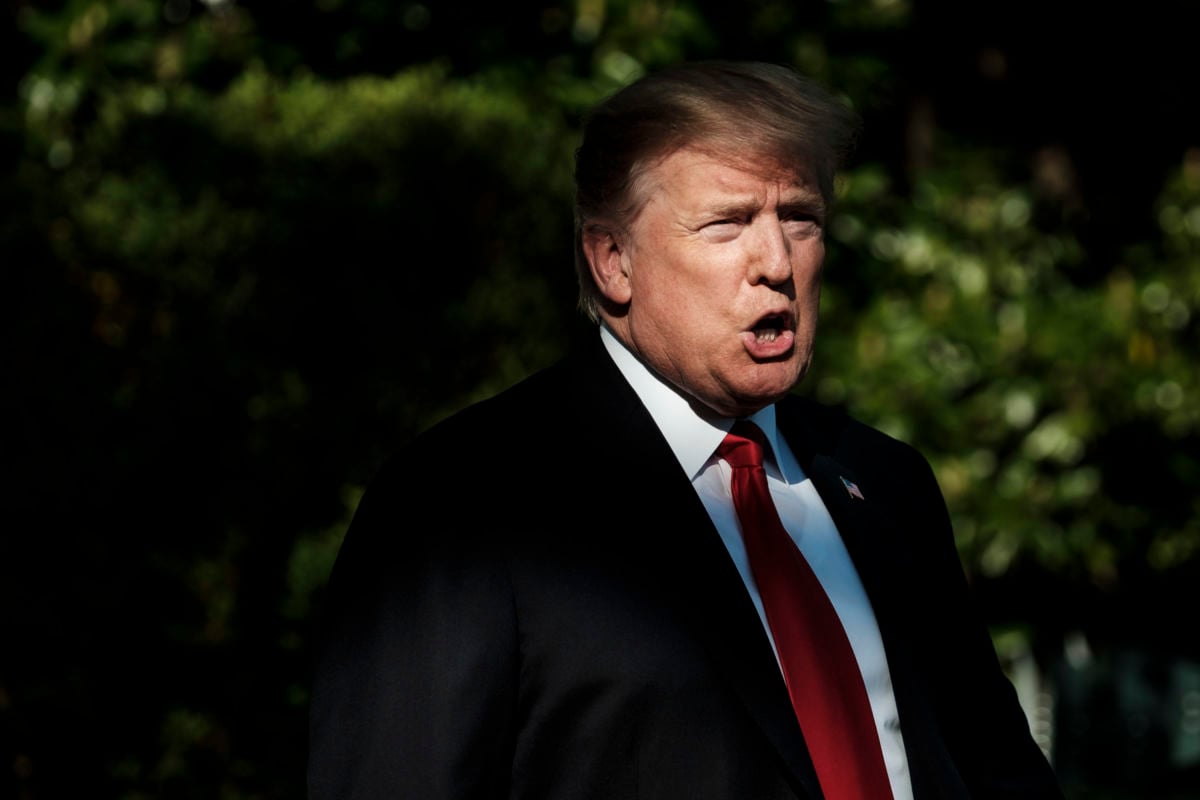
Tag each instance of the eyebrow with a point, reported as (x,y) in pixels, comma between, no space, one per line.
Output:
(811,202)
(734,208)
(806,201)
(803,195)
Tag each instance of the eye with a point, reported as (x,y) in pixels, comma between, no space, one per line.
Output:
(802,216)
(725,229)
(803,224)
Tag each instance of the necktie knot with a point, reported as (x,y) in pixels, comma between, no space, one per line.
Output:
(743,446)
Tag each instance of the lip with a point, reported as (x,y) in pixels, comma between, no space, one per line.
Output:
(781,345)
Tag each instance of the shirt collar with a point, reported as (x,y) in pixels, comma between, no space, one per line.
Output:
(692,436)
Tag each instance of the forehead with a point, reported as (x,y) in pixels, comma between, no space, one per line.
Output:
(699,176)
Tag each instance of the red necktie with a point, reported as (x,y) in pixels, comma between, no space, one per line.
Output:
(822,676)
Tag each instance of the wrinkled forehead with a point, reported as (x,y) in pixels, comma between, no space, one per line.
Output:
(766,164)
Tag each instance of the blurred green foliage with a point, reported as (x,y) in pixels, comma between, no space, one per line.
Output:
(256,247)
(977,341)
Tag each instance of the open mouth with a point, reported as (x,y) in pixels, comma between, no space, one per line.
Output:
(770,327)
(772,337)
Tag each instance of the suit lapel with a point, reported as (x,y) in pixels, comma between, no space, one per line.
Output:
(867,522)
(683,552)
(860,514)
(858,521)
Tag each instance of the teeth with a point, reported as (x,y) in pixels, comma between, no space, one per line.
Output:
(768,335)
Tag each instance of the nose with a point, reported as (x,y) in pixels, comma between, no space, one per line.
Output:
(771,262)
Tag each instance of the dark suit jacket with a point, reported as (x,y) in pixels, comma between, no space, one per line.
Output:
(532,603)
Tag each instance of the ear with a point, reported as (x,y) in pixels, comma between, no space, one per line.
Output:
(607,259)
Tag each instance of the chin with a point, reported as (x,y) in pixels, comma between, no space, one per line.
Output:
(775,380)
(741,393)
(745,404)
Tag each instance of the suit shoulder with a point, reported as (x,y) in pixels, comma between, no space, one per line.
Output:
(485,428)
(518,403)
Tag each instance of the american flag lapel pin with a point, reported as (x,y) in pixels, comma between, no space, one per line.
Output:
(852,489)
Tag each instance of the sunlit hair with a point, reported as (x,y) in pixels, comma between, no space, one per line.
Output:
(760,115)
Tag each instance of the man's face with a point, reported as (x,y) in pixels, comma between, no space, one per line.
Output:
(722,271)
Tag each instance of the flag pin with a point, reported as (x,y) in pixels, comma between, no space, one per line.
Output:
(852,489)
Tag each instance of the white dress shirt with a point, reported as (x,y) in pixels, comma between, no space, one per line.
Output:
(694,440)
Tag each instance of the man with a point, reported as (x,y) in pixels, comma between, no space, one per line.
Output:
(562,592)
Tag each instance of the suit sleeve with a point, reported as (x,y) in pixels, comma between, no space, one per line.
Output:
(414,687)
(994,750)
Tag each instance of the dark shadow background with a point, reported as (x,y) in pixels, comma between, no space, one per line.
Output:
(251,248)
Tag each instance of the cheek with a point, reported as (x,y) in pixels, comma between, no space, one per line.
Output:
(808,271)
(683,298)
(808,284)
